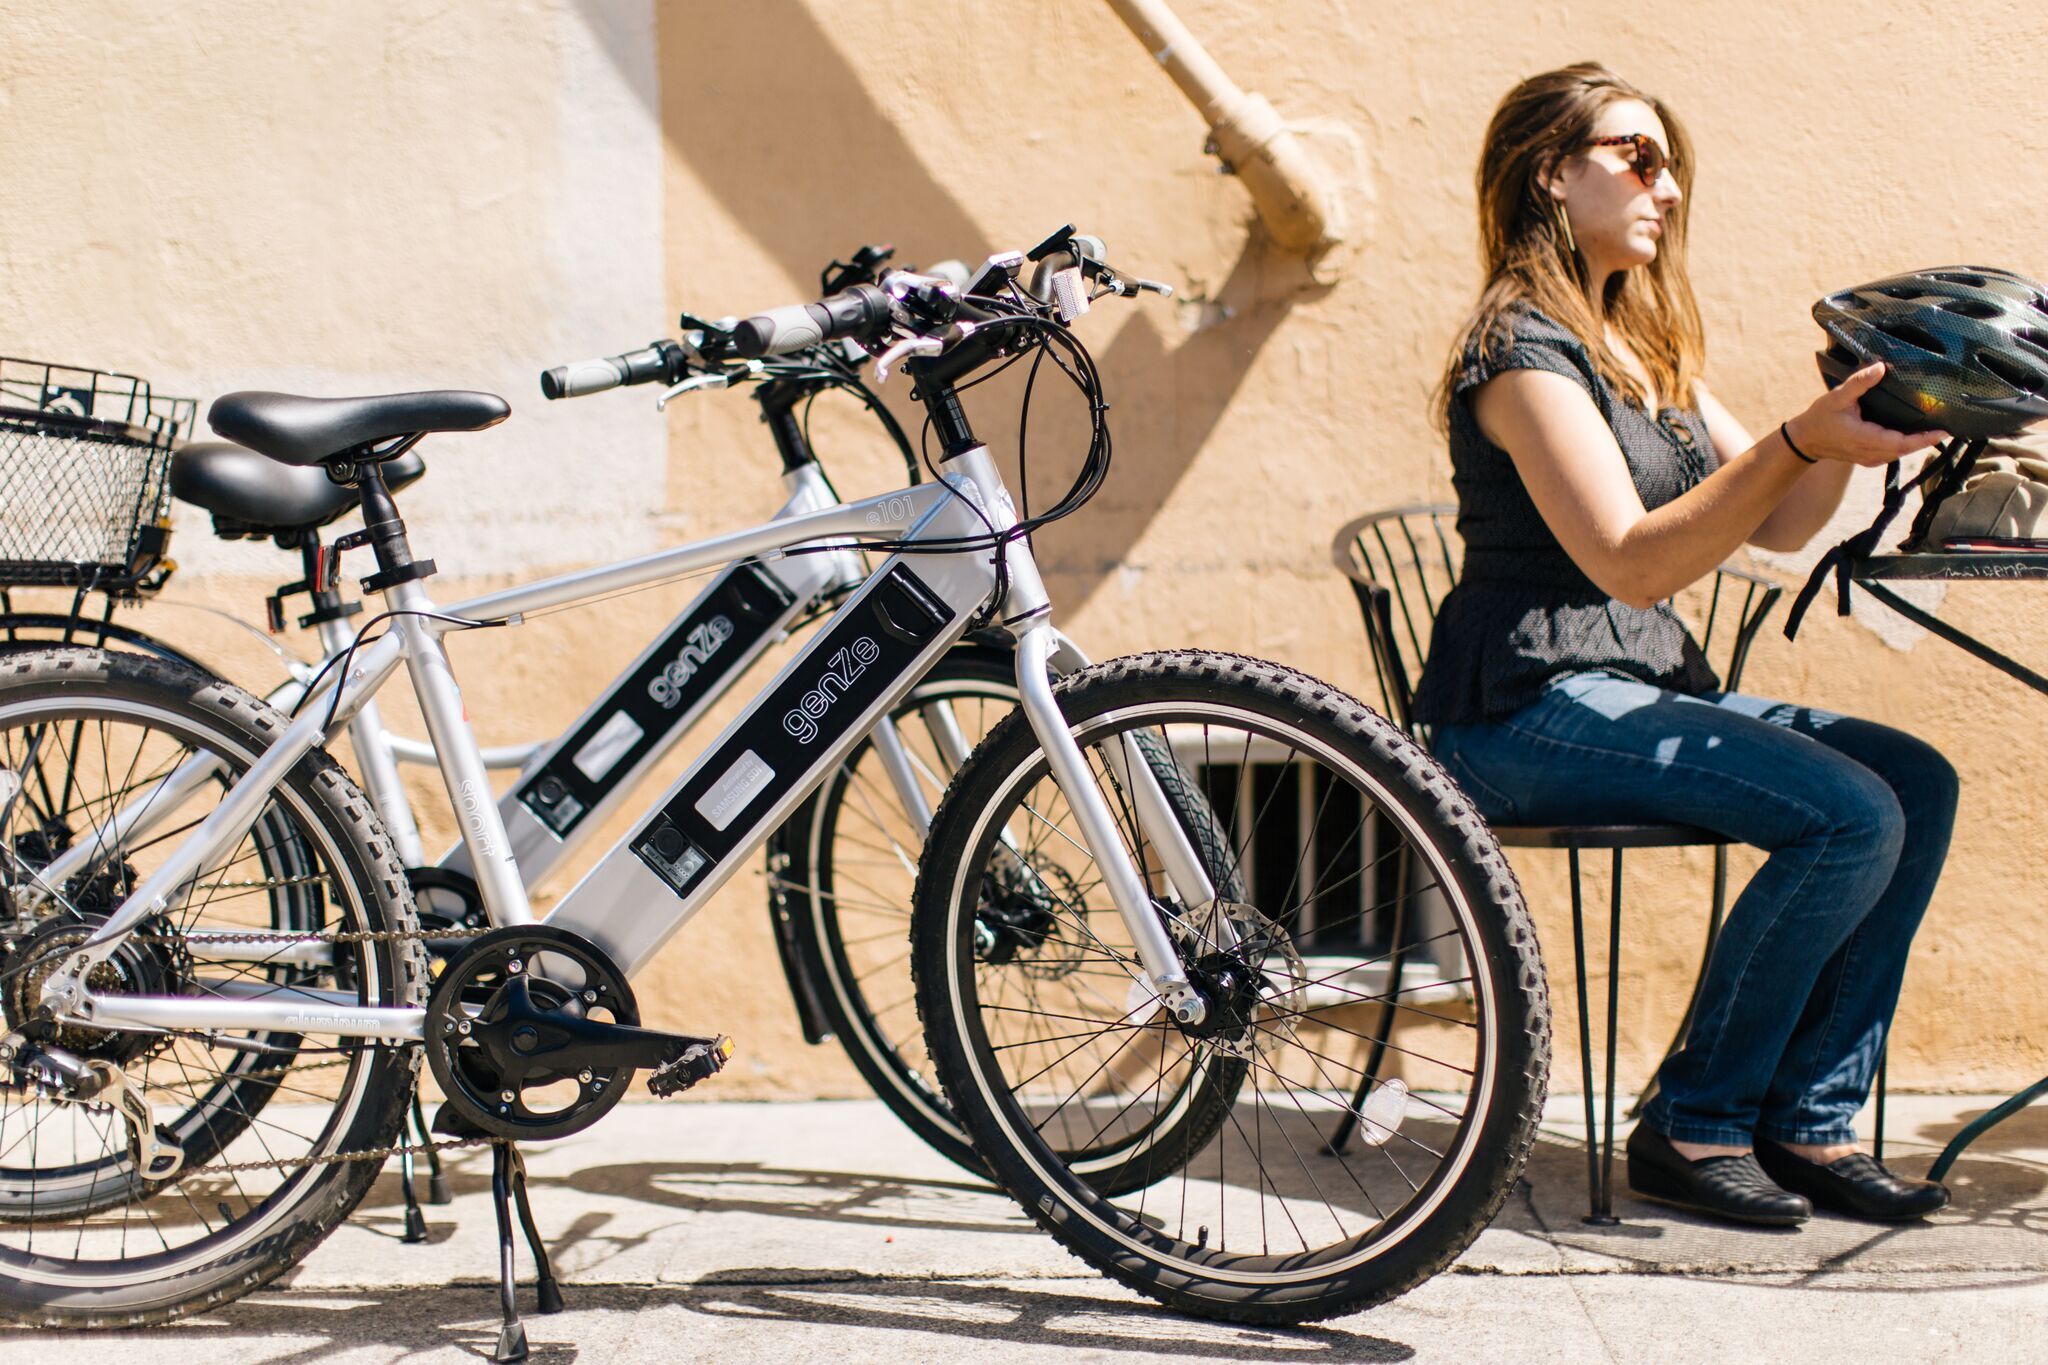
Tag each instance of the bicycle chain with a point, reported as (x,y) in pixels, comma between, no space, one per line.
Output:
(378,1154)
(339,1158)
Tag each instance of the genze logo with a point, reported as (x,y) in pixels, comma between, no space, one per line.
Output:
(667,686)
(840,670)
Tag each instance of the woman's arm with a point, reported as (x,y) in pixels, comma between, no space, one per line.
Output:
(1805,508)
(1575,473)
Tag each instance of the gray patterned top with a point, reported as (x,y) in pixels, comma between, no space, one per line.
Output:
(1522,612)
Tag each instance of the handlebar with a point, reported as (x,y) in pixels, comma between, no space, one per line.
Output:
(860,312)
(662,360)
(887,306)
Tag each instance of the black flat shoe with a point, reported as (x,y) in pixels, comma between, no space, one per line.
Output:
(1855,1184)
(1731,1187)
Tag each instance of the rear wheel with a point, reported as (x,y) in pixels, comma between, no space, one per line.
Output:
(87,1239)
(1439,1066)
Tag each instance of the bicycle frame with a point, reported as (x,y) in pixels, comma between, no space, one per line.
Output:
(877,646)
(568,785)
(746,609)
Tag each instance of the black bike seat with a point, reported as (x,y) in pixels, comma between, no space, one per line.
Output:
(308,431)
(251,494)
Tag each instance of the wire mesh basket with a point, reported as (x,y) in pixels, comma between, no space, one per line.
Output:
(85,457)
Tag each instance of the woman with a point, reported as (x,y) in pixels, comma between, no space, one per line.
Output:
(1597,476)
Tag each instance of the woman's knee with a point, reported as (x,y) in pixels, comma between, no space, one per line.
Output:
(1868,824)
(1927,785)
(1856,819)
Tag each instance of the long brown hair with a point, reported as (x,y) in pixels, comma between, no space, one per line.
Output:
(1528,264)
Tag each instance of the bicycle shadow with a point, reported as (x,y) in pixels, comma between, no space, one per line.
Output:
(844,1198)
(414,1322)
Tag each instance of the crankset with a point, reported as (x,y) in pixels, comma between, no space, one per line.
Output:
(533,1033)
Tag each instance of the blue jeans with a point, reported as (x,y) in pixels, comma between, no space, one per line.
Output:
(1856,818)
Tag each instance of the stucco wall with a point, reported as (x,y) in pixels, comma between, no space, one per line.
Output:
(383,196)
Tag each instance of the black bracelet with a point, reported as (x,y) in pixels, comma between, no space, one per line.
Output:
(1786,432)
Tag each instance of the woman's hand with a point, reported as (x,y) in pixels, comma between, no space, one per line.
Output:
(1832,428)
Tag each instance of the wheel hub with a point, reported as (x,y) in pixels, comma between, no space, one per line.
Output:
(149,961)
(1261,970)
(1018,921)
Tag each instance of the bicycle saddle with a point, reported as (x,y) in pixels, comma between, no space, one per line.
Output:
(308,431)
(252,494)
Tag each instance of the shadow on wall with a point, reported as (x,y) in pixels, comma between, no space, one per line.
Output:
(807,199)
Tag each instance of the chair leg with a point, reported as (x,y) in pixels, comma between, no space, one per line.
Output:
(1715,914)
(1884,1056)
(1605,1212)
(1348,1124)
(1599,1204)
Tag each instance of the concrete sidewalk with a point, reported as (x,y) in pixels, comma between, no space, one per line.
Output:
(823,1230)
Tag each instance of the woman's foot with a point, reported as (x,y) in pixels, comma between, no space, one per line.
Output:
(1729,1185)
(1854,1184)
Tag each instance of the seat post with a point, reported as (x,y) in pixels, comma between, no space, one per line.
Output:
(385,529)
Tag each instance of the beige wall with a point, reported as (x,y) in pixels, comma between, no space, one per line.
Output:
(379,195)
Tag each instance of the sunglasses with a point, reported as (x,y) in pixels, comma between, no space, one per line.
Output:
(1648,156)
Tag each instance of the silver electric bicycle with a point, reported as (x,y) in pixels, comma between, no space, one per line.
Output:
(857,992)
(214,1022)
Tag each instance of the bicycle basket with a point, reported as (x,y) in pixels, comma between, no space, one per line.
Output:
(84,462)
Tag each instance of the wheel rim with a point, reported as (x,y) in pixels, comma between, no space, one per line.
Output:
(174,1226)
(1246,1240)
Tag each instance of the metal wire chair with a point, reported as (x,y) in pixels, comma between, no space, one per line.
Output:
(1401,562)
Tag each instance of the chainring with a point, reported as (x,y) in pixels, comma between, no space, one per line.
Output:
(486,1026)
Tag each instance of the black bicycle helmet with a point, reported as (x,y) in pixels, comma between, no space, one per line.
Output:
(1965,349)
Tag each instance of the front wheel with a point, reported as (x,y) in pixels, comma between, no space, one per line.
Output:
(1375,975)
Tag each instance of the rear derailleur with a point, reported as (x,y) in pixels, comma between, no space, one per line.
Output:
(70,1079)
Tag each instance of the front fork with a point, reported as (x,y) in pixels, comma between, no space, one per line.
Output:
(1036,643)
(1052,654)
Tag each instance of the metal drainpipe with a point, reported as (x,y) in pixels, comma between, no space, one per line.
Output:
(1294,199)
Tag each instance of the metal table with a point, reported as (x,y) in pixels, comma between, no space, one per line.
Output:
(1872,573)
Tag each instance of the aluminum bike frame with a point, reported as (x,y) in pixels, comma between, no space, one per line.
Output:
(547,823)
(878,645)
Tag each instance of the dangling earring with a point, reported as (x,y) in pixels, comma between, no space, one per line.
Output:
(1564,225)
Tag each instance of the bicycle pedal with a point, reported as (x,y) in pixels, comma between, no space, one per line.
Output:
(698,1061)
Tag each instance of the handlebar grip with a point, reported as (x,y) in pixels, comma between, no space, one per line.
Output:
(859,311)
(648,363)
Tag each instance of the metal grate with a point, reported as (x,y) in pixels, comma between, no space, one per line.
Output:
(84,464)
(1310,851)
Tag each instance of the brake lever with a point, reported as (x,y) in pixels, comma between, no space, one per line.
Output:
(715,379)
(908,346)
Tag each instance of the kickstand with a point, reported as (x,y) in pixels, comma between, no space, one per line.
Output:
(508,1183)
(438,1192)
(415,1221)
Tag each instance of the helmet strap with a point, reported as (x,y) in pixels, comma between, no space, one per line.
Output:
(1946,471)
